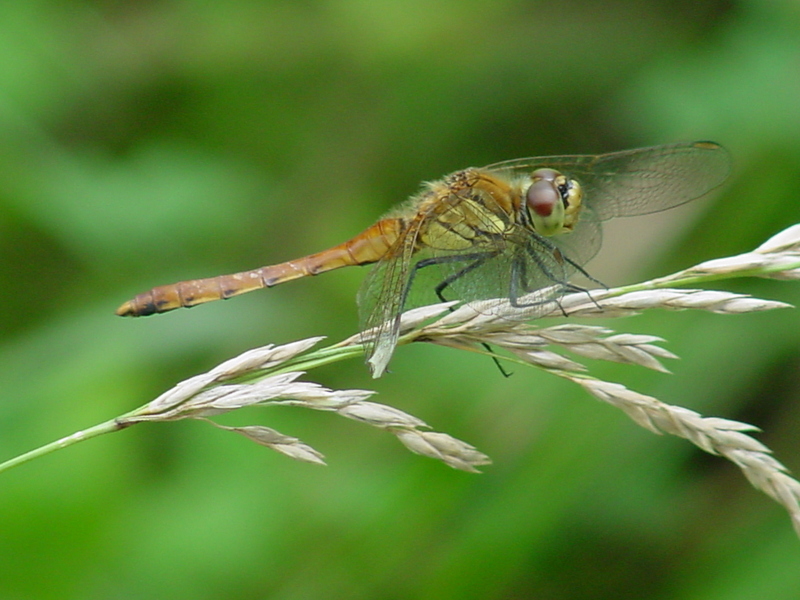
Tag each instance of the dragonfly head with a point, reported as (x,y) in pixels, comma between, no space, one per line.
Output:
(553,202)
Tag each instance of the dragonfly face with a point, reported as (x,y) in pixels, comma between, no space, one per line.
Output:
(513,230)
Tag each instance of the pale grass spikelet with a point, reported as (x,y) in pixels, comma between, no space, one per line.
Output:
(247,362)
(783,242)
(546,359)
(777,258)
(441,446)
(202,396)
(606,304)
(290,446)
(600,343)
(723,437)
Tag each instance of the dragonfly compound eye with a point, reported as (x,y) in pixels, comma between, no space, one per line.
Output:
(542,197)
(546,202)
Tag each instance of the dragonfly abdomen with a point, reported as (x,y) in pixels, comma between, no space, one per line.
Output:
(367,247)
(191,293)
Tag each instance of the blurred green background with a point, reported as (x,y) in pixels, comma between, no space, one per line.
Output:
(150,141)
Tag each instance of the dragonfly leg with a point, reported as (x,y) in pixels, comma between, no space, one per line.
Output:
(445,283)
(583,272)
(477,259)
(519,279)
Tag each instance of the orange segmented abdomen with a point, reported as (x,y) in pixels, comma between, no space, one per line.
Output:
(367,247)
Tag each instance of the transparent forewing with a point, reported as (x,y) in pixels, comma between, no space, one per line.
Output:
(637,182)
(381,299)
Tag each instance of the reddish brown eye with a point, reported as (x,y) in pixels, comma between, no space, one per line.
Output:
(542,197)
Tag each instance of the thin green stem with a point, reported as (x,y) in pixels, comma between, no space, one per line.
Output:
(78,436)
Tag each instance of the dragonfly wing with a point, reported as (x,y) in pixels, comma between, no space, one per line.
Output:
(641,181)
(381,300)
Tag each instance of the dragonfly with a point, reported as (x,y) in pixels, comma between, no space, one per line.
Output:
(514,230)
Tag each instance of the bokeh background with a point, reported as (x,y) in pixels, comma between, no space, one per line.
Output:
(149,141)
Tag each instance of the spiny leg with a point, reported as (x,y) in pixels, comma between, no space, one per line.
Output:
(575,288)
(520,284)
(555,249)
(478,259)
(442,285)
(519,274)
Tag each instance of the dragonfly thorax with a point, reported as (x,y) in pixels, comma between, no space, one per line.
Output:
(553,202)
